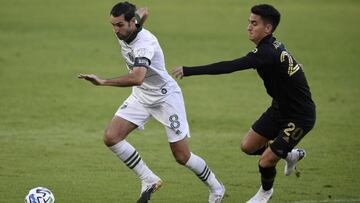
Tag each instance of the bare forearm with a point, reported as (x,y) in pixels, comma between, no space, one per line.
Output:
(135,78)
(122,81)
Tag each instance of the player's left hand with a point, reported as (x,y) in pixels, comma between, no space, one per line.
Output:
(92,78)
(178,72)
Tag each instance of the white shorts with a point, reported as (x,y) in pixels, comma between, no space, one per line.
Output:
(171,113)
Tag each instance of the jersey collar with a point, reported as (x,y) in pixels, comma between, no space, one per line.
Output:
(267,39)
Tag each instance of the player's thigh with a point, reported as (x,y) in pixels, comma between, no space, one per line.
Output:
(264,129)
(119,128)
(134,112)
(268,124)
(290,134)
(172,115)
(252,141)
(129,116)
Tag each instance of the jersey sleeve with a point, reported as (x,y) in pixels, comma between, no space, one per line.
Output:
(143,56)
(257,58)
(222,67)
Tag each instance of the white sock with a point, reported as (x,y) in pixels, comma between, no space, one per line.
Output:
(199,167)
(127,153)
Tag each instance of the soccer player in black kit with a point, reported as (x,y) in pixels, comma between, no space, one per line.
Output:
(292,112)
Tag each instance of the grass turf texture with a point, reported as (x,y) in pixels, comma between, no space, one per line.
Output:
(52,123)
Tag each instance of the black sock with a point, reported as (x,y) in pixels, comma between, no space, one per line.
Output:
(259,151)
(267,177)
(262,149)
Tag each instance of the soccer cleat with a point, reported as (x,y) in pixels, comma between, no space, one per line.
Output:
(149,186)
(293,157)
(217,197)
(261,196)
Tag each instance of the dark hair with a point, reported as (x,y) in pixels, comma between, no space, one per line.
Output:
(268,13)
(124,8)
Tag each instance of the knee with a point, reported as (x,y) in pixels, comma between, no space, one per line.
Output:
(246,148)
(111,138)
(182,158)
(268,161)
(265,163)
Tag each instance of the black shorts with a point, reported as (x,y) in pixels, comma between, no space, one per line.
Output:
(285,133)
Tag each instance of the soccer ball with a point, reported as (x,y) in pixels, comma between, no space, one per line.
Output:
(40,195)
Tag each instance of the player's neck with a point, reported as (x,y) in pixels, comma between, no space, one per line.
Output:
(133,35)
(257,42)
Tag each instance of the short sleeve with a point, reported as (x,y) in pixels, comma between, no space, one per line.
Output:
(144,52)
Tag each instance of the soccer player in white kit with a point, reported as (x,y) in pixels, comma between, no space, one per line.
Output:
(154,94)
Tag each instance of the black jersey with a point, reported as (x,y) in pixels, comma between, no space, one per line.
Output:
(283,77)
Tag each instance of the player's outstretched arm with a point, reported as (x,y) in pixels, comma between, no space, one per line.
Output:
(178,72)
(222,67)
(135,78)
(143,14)
(94,79)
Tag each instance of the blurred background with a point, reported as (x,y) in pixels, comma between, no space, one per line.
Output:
(51,123)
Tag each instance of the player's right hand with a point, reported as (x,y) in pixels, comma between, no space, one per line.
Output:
(92,78)
(178,72)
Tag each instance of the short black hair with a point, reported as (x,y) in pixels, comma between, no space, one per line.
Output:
(124,8)
(268,13)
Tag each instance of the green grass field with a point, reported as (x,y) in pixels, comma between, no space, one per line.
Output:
(51,123)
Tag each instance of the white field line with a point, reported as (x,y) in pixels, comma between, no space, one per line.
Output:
(327,200)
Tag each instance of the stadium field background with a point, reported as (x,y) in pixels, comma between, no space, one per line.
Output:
(51,123)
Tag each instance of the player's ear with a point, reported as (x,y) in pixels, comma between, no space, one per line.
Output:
(133,20)
(268,28)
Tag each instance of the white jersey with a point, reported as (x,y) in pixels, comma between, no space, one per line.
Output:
(158,84)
